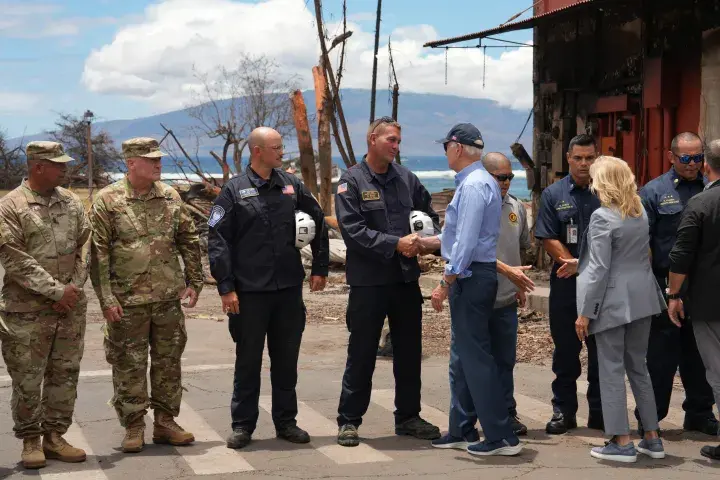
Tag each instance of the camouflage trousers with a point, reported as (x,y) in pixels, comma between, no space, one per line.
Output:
(42,352)
(161,328)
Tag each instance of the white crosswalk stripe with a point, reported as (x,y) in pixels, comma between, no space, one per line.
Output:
(108,373)
(204,459)
(91,469)
(319,426)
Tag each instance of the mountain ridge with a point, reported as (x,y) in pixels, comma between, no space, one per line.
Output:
(424,118)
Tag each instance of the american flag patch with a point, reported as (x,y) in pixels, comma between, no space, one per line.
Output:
(342,188)
(288,190)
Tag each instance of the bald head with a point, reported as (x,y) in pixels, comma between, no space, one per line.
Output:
(495,161)
(261,136)
(712,156)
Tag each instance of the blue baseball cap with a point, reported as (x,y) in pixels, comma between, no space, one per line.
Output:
(465,133)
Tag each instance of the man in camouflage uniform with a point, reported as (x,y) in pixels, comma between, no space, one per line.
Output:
(140,229)
(43,229)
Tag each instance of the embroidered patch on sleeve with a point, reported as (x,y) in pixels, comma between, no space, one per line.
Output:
(342,188)
(216,215)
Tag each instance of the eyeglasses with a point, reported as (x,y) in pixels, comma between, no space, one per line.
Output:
(277,148)
(686,159)
(504,178)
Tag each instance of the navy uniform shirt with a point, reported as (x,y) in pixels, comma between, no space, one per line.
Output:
(562,205)
(251,239)
(373,213)
(664,199)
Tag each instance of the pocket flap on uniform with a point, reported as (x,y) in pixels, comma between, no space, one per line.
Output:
(41,226)
(372,205)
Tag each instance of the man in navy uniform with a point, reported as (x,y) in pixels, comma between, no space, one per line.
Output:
(664,199)
(565,209)
(373,204)
(259,274)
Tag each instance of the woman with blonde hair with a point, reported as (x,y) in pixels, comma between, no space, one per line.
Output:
(617,295)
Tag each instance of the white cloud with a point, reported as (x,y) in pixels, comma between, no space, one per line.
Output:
(153,58)
(21,20)
(17,102)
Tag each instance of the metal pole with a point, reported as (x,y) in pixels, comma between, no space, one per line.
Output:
(90,160)
(374,71)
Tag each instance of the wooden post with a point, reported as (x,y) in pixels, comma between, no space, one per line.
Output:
(395,99)
(324,146)
(305,146)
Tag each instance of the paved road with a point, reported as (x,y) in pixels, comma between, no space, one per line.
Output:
(208,378)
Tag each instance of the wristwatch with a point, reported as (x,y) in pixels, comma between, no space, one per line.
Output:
(672,296)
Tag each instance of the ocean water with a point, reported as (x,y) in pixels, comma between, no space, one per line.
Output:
(433,172)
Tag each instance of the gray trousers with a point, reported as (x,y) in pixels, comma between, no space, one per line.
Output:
(707,336)
(622,350)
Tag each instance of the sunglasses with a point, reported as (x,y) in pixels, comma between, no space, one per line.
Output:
(381,120)
(686,159)
(504,178)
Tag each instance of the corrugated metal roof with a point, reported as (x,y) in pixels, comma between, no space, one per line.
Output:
(508,27)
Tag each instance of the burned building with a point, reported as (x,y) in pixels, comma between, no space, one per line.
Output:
(633,73)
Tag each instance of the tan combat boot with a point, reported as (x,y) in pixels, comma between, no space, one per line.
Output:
(134,440)
(57,448)
(165,430)
(32,454)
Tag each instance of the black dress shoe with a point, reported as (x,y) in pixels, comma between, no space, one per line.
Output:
(711,452)
(238,438)
(517,426)
(706,425)
(293,434)
(596,422)
(560,423)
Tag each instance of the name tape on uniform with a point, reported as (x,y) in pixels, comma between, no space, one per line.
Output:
(370,195)
(248,192)
(216,215)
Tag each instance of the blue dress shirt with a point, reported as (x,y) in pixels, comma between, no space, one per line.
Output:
(472,221)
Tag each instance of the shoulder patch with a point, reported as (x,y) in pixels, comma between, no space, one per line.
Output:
(216,215)
(513,218)
(342,188)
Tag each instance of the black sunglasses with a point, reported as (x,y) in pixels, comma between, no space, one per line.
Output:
(686,159)
(380,120)
(503,178)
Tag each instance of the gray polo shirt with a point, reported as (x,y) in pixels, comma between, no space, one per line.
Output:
(514,237)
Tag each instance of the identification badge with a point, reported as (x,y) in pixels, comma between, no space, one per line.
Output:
(248,192)
(572,233)
(370,195)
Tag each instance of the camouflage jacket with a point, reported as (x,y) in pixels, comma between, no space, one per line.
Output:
(41,247)
(136,244)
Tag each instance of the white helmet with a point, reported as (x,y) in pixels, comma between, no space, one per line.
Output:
(304,229)
(421,223)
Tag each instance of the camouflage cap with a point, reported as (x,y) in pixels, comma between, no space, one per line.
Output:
(52,151)
(142,147)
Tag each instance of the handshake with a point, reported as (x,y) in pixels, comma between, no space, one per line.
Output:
(412,245)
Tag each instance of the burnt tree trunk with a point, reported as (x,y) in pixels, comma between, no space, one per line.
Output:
(324,111)
(375,54)
(395,100)
(305,146)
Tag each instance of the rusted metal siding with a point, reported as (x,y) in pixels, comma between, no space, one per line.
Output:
(550,5)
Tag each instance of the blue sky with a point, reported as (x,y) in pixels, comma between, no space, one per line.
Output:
(46,46)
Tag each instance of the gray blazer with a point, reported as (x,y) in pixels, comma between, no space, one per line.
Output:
(615,284)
